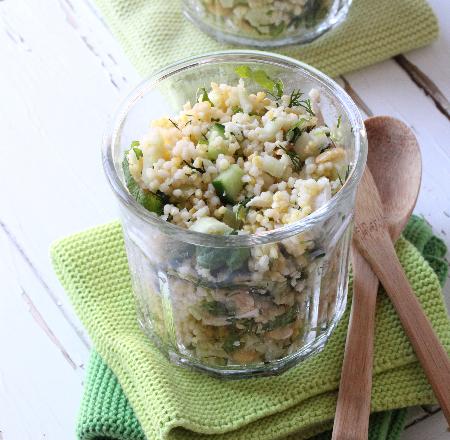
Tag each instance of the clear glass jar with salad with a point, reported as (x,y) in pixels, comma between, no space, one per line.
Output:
(266,23)
(236,175)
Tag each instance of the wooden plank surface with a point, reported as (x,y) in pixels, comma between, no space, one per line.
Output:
(62,75)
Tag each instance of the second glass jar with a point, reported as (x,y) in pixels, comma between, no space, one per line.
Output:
(266,23)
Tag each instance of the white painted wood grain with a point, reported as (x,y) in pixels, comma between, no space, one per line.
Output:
(387,89)
(432,428)
(62,75)
(40,388)
(434,60)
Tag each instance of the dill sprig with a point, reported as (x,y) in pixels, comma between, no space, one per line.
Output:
(175,124)
(294,99)
(306,104)
(297,163)
(199,170)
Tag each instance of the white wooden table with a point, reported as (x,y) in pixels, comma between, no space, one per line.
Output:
(62,73)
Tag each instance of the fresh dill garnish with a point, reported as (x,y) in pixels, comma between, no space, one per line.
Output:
(297,163)
(273,86)
(174,124)
(295,131)
(203,94)
(135,144)
(306,104)
(199,170)
(294,99)
(339,121)
(332,144)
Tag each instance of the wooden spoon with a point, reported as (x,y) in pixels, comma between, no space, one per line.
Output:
(388,139)
(372,238)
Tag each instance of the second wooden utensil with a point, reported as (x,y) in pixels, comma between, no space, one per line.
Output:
(394,159)
(373,241)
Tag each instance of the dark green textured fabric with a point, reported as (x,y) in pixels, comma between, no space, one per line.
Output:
(107,414)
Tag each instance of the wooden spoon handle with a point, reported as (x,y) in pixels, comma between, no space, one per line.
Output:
(380,253)
(351,421)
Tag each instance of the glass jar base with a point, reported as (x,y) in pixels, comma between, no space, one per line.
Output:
(260,43)
(271,368)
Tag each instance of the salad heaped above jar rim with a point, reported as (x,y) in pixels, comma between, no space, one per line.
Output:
(237,162)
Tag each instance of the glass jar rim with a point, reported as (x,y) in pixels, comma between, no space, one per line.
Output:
(247,56)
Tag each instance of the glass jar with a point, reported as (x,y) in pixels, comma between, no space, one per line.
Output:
(237,305)
(266,23)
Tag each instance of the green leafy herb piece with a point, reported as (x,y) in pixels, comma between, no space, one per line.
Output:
(276,29)
(203,94)
(216,308)
(230,344)
(150,201)
(281,320)
(138,152)
(339,121)
(242,210)
(237,109)
(199,170)
(295,131)
(297,163)
(215,258)
(135,144)
(237,257)
(273,86)
(203,141)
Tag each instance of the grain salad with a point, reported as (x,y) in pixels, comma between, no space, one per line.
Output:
(235,162)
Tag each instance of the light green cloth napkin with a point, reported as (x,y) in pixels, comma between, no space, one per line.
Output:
(174,403)
(154,33)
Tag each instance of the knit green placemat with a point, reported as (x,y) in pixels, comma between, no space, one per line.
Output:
(154,33)
(174,403)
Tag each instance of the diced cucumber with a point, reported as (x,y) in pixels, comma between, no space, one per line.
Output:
(217,130)
(273,166)
(210,225)
(214,151)
(237,257)
(216,258)
(228,184)
(150,201)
